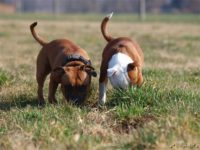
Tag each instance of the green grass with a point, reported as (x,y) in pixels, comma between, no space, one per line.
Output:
(4,77)
(162,114)
(150,99)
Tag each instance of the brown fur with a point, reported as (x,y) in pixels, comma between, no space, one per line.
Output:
(74,77)
(124,45)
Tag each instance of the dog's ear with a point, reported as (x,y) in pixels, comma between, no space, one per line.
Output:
(57,73)
(89,69)
(133,72)
(132,66)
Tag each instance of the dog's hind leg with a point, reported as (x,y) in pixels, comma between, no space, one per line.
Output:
(42,71)
(102,88)
(102,93)
(40,80)
(52,91)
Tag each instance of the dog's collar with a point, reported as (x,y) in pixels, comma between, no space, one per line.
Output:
(75,57)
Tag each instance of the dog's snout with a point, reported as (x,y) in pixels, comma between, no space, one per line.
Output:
(75,98)
(76,95)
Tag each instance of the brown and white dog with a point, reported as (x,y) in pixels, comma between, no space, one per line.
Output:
(68,65)
(122,62)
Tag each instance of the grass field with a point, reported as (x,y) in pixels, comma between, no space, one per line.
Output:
(163,114)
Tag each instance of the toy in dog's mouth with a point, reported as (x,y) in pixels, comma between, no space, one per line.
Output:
(75,94)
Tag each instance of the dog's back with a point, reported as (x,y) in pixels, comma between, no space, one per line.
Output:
(120,44)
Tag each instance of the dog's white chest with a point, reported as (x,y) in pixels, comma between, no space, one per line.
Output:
(117,70)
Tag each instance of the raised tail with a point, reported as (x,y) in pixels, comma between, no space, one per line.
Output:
(35,35)
(103,27)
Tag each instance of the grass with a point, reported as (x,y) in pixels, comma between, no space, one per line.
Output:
(4,77)
(162,114)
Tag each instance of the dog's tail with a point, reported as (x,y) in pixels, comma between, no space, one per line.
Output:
(35,35)
(104,25)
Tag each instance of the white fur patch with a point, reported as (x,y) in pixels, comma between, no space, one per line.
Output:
(110,15)
(117,70)
(102,93)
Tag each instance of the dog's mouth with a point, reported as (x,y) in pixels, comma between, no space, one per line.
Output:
(76,95)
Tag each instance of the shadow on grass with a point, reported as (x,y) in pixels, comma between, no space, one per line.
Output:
(19,101)
(196,73)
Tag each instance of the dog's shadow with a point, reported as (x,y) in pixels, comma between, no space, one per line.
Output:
(21,101)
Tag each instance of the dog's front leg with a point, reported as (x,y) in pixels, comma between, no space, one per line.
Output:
(52,91)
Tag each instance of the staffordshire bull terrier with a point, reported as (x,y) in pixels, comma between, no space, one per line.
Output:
(67,64)
(122,62)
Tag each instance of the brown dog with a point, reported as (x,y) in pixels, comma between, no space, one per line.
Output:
(122,62)
(68,64)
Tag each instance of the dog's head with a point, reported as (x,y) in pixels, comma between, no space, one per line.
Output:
(75,81)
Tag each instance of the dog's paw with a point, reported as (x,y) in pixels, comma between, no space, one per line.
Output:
(41,103)
(52,100)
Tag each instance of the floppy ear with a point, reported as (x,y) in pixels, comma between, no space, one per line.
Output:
(131,66)
(132,70)
(89,69)
(57,73)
